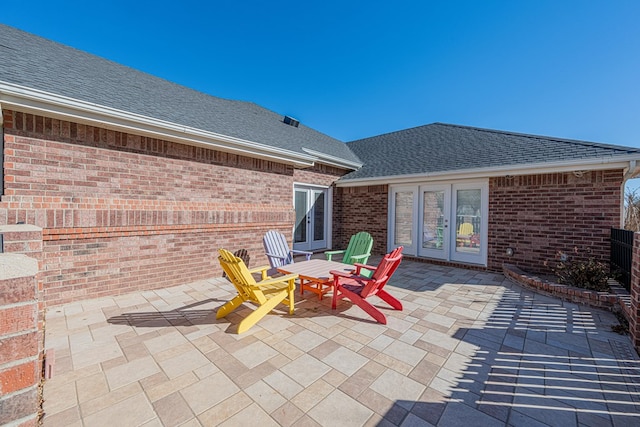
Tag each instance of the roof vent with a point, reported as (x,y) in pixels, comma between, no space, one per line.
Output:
(291,121)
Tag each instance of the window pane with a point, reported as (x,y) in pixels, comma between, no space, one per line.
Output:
(403,229)
(468,220)
(433,220)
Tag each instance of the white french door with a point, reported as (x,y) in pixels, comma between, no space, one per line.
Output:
(312,209)
(440,221)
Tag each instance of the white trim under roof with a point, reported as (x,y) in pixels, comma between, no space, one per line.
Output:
(332,160)
(35,101)
(626,162)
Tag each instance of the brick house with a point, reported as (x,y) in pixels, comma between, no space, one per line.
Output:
(116,181)
(529,199)
(136,181)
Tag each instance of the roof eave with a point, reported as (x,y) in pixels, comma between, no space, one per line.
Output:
(333,161)
(40,102)
(611,162)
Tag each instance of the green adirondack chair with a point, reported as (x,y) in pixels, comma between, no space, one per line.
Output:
(358,250)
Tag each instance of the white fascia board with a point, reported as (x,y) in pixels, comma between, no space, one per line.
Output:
(332,160)
(51,105)
(611,162)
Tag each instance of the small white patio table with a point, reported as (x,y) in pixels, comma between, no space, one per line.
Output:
(314,274)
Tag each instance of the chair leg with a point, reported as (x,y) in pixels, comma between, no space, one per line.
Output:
(368,308)
(229,306)
(390,299)
(291,292)
(260,312)
(372,311)
(334,298)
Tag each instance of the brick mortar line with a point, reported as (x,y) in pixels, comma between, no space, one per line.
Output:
(25,419)
(15,363)
(107,232)
(19,304)
(17,334)
(16,393)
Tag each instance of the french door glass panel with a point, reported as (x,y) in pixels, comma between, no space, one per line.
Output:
(300,232)
(434,230)
(319,215)
(404,211)
(469,203)
(404,219)
(468,220)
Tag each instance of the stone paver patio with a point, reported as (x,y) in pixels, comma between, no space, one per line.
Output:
(469,349)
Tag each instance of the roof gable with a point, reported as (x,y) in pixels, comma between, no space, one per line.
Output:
(33,62)
(442,148)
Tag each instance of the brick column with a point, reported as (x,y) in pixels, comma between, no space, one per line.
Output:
(634,321)
(20,335)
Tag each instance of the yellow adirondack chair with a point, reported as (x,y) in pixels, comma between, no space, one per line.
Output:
(267,293)
(463,238)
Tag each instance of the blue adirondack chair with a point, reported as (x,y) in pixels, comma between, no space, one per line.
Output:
(278,251)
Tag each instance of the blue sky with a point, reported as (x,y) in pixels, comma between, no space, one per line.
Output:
(354,69)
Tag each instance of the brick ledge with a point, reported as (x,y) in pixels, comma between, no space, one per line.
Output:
(616,300)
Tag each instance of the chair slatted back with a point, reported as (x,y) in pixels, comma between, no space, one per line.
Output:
(240,277)
(359,244)
(275,243)
(383,272)
(465,228)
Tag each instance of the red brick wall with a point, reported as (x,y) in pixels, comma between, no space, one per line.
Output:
(318,175)
(361,209)
(542,216)
(122,212)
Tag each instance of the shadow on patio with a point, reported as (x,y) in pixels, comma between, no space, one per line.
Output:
(537,363)
(204,313)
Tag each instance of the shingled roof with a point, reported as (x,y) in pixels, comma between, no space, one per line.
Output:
(29,61)
(441,148)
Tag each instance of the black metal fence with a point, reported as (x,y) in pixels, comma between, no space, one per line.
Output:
(622,255)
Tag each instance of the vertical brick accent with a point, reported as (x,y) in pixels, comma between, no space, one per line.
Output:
(20,335)
(634,321)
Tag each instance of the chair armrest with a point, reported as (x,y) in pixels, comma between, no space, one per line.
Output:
(360,266)
(262,270)
(308,254)
(276,256)
(258,269)
(329,254)
(280,279)
(358,257)
(338,273)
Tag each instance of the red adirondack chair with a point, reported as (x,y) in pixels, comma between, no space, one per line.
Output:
(358,288)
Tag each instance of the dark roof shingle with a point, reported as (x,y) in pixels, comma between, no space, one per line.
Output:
(439,148)
(38,63)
